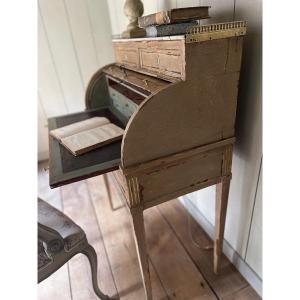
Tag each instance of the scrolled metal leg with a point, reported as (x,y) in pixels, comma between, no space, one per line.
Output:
(90,253)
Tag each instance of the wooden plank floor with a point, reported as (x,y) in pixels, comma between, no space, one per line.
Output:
(178,268)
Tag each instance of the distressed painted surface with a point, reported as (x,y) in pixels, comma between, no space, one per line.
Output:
(55,94)
(247,150)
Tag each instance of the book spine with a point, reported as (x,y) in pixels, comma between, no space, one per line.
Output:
(185,14)
(169,29)
(154,19)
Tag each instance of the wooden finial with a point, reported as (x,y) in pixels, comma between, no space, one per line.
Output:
(133,9)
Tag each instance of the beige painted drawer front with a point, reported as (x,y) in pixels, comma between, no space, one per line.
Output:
(164,58)
(127,57)
(162,61)
(196,170)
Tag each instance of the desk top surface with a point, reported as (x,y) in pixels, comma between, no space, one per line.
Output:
(66,168)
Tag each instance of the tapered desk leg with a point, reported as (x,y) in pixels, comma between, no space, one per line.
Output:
(222,192)
(140,242)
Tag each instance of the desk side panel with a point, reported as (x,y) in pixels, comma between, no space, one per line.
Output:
(181,117)
(196,112)
(165,179)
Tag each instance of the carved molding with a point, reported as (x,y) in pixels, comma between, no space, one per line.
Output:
(227,160)
(134,198)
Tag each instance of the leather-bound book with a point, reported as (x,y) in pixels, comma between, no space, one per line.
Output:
(176,15)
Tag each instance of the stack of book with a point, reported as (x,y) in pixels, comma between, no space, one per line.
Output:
(173,22)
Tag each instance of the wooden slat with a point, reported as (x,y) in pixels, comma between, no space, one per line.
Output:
(254,249)
(187,3)
(229,280)
(220,11)
(101,30)
(55,19)
(177,272)
(150,7)
(249,121)
(80,27)
(43,150)
(53,197)
(245,294)
(166,5)
(119,21)
(77,205)
(50,90)
(57,286)
(119,242)
(114,22)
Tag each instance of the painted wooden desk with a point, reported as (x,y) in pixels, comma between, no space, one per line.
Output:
(176,98)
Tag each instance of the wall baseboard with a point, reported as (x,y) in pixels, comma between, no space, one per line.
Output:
(246,271)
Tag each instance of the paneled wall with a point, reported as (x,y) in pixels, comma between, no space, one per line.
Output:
(74,40)
(243,225)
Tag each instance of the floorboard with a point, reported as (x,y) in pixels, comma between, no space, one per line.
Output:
(52,196)
(119,242)
(78,206)
(178,268)
(229,280)
(56,286)
(247,293)
(177,272)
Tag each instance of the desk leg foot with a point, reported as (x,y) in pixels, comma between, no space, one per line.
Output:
(222,192)
(140,242)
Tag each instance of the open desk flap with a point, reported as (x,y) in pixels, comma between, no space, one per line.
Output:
(66,168)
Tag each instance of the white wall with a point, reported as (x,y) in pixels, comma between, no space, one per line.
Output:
(243,225)
(74,40)
(241,222)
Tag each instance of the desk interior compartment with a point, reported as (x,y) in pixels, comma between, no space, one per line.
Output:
(114,93)
(66,168)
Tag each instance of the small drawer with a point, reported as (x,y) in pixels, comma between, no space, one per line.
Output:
(163,58)
(127,56)
(162,61)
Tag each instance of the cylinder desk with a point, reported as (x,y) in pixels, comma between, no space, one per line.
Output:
(176,99)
